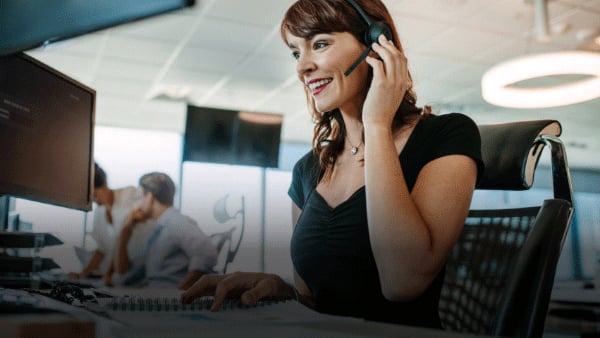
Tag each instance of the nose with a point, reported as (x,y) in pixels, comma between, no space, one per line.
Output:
(305,64)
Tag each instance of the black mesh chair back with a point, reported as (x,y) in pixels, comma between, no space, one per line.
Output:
(500,273)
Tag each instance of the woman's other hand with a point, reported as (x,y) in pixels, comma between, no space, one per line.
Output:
(249,287)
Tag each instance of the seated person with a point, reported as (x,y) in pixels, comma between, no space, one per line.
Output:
(382,197)
(113,206)
(177,252)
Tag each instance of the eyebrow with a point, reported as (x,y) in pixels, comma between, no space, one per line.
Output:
(291,45)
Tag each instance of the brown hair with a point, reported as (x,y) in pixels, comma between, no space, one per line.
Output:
(160,185)
(307,18)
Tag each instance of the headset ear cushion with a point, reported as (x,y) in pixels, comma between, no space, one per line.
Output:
(375,30)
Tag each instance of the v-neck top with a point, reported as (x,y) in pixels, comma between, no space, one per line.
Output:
(330,246)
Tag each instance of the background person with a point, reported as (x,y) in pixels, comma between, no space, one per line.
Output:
(177,252)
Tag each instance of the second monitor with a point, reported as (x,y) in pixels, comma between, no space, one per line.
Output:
(232,137)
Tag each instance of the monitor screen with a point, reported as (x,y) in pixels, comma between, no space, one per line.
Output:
(30,23)
(46,134)
(232,137)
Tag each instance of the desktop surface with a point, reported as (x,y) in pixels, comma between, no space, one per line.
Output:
(574,310)
(286,318)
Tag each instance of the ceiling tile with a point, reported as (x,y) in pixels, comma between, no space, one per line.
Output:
(168,27)
(118,87)
(266,13)
(197,79)
(201,59)
(448,11)
(264,68)
(138,49)
(459,43)
(228,35)
(124,69)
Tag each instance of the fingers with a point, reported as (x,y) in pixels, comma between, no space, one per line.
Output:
(392,68)
(249,287)
(263,289)
(205,286)
(393,61)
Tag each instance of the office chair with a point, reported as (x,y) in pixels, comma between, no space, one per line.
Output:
(500,274)
(220,239)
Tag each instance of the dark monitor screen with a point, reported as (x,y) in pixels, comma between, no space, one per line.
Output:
(25,24)
(46,134)
(232,137)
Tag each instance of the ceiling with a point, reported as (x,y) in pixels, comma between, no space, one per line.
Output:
(229,53)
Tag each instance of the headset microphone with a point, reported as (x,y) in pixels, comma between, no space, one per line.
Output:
(374,30)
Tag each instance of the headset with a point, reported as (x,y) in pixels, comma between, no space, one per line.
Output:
(374,30)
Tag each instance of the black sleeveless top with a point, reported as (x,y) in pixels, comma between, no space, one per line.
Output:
(330,247)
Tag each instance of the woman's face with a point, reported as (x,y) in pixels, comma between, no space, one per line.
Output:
(321,63)
(101,195)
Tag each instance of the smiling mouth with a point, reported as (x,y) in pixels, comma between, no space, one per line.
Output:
(318,84)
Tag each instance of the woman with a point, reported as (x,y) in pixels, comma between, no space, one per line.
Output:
(113,206)
(382,198)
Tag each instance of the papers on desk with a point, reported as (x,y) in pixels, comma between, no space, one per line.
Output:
(281,319)
(156,308)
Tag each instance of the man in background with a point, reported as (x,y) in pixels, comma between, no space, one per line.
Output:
(176,254)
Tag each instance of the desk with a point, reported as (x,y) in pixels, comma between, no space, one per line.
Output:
(241,323)
(574,311)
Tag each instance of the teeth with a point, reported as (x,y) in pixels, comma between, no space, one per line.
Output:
(317,84)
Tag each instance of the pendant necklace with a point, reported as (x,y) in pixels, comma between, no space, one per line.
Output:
(354,148)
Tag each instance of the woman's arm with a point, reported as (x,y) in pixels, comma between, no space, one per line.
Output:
(304,294)
(121,259)
(107,277)
(92,265)
(411,233)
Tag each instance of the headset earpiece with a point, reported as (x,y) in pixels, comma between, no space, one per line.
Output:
(374,30)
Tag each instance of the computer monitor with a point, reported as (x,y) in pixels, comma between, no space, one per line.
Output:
(46,134)
(232,137)
(30,23)
(257,139)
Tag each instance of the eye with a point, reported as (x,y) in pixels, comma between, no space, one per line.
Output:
(320,44)
(296,54)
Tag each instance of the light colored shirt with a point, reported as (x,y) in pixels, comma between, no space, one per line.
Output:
(105,234)
(176,247)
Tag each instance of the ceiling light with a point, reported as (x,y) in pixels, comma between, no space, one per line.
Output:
(496,82)
(176,91)
(169,92)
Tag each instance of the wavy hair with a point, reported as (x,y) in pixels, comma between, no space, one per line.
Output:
(307,18)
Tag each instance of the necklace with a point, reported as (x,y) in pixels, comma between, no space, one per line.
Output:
(354,148)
